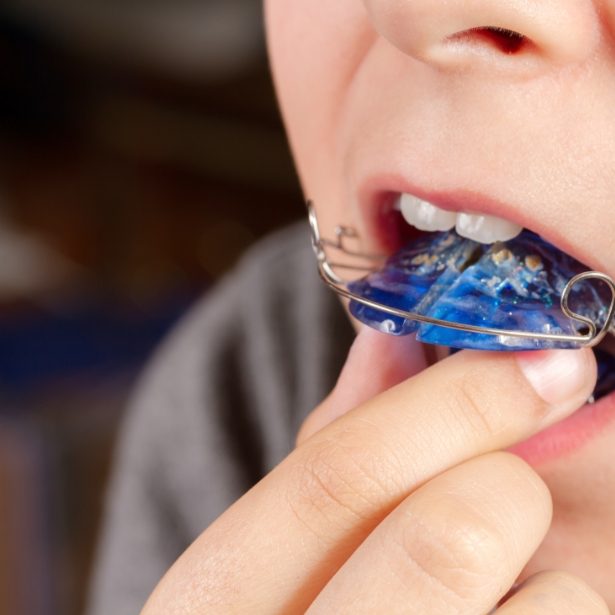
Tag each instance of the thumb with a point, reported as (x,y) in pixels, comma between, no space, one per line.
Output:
(376,362)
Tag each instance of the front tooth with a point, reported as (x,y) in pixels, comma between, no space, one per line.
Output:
(486,229)
(425,216)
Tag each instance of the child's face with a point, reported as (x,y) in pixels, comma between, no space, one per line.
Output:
(377,100)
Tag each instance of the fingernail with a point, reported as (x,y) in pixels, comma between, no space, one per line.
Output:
(559,375)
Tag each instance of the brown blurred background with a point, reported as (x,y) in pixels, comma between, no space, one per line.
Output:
(140,153)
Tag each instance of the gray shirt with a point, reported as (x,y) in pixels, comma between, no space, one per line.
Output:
(218,407)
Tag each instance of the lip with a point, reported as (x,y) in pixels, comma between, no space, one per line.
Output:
(569,435)
(376,195)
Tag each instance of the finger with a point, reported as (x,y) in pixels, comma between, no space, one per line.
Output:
(454,546)
(278,545)
(362,377)
(554,593)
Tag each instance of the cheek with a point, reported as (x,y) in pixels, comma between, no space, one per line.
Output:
(315,47)
(294,32)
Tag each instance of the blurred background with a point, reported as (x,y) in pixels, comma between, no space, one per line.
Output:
(141,152)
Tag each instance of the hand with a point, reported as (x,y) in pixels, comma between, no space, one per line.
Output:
(396,499)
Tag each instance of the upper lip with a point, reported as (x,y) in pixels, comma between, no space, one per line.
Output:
(377,190)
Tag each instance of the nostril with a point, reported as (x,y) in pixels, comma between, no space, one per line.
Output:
(506,41)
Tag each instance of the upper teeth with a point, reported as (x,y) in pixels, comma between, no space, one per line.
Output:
(427,217)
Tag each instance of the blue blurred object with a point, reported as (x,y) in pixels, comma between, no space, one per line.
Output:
(90,338)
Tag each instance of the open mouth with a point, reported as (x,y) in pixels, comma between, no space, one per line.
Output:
(477,270)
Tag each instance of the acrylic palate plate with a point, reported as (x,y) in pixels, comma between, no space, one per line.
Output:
(516,285)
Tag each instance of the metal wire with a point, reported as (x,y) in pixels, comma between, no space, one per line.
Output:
(327,269)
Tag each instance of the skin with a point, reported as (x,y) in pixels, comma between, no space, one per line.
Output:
(397,498)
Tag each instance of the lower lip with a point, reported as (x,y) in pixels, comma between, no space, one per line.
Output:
(569,435)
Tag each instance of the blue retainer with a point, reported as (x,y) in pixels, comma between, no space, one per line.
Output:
(515,285)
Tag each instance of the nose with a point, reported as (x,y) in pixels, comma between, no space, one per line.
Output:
(511,36)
